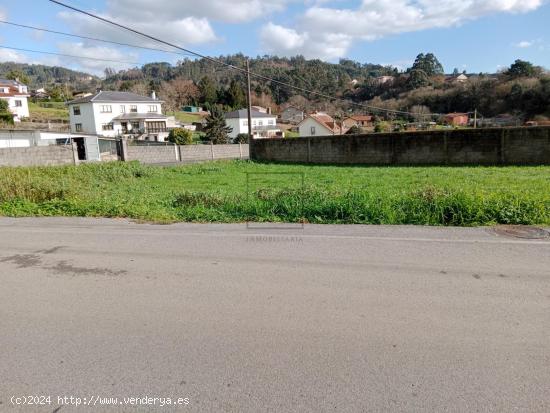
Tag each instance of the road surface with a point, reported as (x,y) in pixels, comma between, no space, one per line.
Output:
(230,319)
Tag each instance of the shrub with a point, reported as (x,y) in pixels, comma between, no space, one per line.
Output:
(181,136)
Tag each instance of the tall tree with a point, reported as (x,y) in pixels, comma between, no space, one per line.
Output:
(207,91)
(427,63)
(235,95)
(216,129)
(521,68)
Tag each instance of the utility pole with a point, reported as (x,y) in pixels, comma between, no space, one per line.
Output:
(475,118)
(249,107)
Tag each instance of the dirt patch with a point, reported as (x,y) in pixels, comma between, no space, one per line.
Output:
(23,260)
(62,267)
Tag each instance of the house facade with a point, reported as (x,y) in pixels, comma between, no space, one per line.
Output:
(113,114)
(320,124)
(264,125)
(16,94)
(456,119)
(362,121)
(292,115)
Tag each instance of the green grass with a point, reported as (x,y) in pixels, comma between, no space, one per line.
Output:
(185,117)
(56,111)
(218,192)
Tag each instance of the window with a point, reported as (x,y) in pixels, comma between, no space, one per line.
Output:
(135,125)
(312,130)
(76,110)
(245,123)
(156,126)
(108,126)
(78,127)
(133,108)
(122,109)
(271,122)
(18,103)
(152,109)
(106,109)
(260,123)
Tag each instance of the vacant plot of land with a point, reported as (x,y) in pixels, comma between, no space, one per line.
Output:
(237,191)
(48,111)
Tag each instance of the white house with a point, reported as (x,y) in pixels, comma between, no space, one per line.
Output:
(264,125)
(320,124)
(16,94)
(112,114)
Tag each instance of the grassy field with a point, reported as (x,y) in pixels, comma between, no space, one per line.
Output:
(236,191)
(57,110)
(185,117)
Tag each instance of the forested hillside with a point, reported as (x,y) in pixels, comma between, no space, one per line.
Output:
(38,76)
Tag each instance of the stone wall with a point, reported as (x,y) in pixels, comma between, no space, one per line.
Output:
(158,154)
(37,156)
(504,146)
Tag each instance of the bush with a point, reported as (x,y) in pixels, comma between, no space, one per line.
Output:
(181,136)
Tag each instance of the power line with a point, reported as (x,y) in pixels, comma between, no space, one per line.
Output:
(67,55)
(233,67)
(25,26)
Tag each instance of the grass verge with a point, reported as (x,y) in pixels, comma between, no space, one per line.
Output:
(236,191)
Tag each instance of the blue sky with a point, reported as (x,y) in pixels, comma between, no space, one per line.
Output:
(473,35)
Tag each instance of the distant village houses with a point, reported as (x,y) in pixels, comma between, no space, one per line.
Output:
(16,94)
(264,125)
(292,115)
(320,124)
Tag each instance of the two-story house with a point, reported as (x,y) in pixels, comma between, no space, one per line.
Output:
(264,125)
(320,124)
(16,94)
(112,114)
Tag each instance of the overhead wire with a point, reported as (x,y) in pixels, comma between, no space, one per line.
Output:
(236,68)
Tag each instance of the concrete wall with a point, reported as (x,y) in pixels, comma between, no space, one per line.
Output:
(453,147)
(37,156)
(184,153)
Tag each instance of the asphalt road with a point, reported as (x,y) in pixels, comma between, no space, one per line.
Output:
(328,318)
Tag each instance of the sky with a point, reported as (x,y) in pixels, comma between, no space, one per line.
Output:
(472,35)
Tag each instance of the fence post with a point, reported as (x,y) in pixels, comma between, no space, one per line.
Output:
(75,153)
(309,149)
(212,149)
(124,150)
(177,152)
(240,150)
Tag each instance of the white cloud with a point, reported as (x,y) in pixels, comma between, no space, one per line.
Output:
(234,11)
(182,31)
(96,52)
(7,55)
(3,14)
(374,19)
(523,44)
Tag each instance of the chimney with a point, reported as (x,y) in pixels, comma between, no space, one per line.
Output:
(269,110)
(153,95)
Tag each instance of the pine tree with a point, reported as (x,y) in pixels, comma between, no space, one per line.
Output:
(216,130)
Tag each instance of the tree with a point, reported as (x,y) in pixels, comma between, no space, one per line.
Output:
(181,136)
(428,64)
(241,138)
(521,68)
(5,115)
(178,92)
(418,78)
(216,130)
(18,75)
(109,71)
(420,113)
(207,91)
(235,95)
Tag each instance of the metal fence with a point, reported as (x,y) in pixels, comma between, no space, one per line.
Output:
(107,146)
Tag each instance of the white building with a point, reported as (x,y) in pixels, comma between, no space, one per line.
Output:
(112,114)
(320,124)
(16,94)
(264,125)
